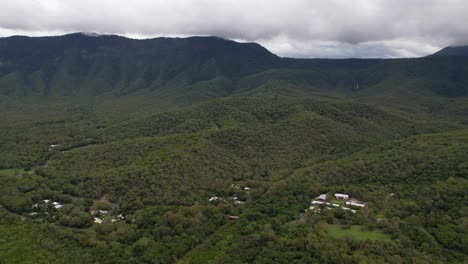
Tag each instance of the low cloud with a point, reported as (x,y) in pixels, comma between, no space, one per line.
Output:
(295,28)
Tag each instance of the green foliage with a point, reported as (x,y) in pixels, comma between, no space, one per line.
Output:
(20,242)
(154,129)
(356,232)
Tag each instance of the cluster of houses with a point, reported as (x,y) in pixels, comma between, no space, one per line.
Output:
(101,216)
(351,204)
(48,204)
(232,198)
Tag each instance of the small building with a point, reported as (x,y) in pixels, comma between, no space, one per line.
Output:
(214,198)
(53,146)
(103,211)
(322,197)
(46,201)
(341,196)
(97,220)
(58,206)
(246,188)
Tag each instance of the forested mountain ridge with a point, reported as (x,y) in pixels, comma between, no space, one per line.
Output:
(80,64)
(452,51)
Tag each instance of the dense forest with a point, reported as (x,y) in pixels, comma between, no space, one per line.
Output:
(205,150)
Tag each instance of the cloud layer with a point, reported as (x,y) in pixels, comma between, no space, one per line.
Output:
(295,28)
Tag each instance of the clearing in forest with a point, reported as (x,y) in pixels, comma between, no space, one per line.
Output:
(356,232)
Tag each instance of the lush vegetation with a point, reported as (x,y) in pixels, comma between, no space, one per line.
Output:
(416,196)
(356,232)
(213,154)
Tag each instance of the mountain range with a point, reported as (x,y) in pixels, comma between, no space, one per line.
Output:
(82,64)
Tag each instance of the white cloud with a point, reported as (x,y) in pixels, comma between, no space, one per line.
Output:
(305,28)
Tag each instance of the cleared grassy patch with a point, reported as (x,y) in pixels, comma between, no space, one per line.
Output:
(356,232)
(11,171)
(336,201)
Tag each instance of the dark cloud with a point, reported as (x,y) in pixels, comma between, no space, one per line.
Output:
(297,28)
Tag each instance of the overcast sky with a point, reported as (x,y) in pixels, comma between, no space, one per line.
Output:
(293,28)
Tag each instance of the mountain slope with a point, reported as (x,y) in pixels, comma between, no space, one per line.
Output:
(416,190)
(452,51)
(78,63)
(206,147)
(187,70)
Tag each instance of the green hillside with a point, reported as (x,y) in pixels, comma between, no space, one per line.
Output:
(402,181)
(206,150)
(206,147)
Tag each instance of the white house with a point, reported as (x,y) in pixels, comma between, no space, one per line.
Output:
(97,220)
(354,202)
(341,196)
(214,198)
(322,197)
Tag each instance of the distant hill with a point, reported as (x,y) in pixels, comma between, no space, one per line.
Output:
(452,51)
(89,64)
(186,70)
